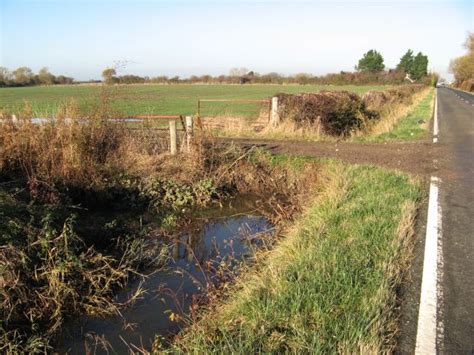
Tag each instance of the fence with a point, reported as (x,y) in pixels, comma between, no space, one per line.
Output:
(187,122)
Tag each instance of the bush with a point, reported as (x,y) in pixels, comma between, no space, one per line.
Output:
(336,113)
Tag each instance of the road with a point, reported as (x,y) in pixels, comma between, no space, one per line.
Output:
(456,308)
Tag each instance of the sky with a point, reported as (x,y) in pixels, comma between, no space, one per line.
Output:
(80,38)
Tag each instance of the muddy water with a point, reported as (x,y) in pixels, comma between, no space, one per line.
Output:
(226,236)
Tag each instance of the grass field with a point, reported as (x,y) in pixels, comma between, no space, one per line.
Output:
(330,286)
(152,99)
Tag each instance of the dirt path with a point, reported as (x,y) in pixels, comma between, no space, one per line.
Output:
(412,157)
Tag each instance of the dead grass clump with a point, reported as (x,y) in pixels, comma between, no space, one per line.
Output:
(333,113)
(73,152)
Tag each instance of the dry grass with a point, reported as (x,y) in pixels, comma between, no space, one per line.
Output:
(391,115)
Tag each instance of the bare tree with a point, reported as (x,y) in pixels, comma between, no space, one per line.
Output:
(23,76)
(109,75)
(45,77)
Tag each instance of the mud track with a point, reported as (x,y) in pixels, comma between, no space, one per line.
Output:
(421,158)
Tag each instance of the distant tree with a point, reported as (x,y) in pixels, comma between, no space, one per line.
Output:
(109,75)
(419,68)
(371,61)
(303,78)
(45,77)
(406,62)
(23,76)
(64,80)
(5,77)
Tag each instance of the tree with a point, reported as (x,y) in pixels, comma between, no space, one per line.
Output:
(463,67)
(371,61)
(61,79)
(5,76)
(109,75)
(406,62)
(419,68)
(23,76)
(45,77)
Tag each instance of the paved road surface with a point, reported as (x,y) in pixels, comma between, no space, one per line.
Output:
(456,311)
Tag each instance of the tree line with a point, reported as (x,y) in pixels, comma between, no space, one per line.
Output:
(416,66)
(369,70)
(24,76)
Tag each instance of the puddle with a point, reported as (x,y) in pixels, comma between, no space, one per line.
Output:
(217,239)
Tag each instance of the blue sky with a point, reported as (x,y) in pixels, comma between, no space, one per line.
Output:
(80,37)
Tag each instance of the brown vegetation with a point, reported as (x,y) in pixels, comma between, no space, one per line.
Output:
(341,113)
(55,175)
(463,67)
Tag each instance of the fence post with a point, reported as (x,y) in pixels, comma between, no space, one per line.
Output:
(189,132)
(173,137)
(274,116)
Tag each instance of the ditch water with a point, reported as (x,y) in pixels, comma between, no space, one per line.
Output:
(226,235)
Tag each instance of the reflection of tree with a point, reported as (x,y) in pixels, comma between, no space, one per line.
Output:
(191,246)
(196,246)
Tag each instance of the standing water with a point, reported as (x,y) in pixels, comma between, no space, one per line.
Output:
(168,292)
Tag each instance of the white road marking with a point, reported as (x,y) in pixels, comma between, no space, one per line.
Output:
(428,325)
(435,123)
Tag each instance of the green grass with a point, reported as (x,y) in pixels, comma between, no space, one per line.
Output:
(413,126)
(153,99)
(330,285)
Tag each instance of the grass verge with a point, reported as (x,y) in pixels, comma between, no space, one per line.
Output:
(412,125)
(330,285)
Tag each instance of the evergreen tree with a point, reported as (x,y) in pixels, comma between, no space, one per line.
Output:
(406,62)
(419,67)
(371,61)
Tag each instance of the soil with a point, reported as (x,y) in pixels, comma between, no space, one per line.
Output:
(421,158)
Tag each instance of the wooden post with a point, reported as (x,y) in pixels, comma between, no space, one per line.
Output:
(189,132)
(173,137)
(274,117)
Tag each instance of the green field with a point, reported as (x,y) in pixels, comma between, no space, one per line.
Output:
(152,99)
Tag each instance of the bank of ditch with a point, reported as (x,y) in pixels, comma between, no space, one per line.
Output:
(87,208)
(331,284)
(76,201)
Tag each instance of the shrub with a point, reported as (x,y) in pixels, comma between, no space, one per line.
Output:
(336,113)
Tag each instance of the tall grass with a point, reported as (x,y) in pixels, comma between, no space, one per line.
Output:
(330,286)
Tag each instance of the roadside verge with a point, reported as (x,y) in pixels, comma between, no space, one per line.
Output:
(331,284)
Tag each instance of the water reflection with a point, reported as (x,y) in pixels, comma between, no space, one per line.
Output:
(171,291)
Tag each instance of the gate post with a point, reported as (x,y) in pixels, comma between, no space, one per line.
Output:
(189,132)
(173,137)
(274,116)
